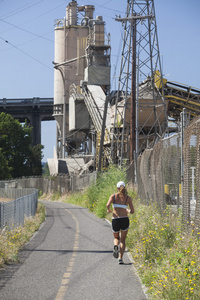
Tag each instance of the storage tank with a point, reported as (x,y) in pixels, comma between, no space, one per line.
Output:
(89,10)
(99,25)
(59,58)
(71,13)
(69,62)
(80,55)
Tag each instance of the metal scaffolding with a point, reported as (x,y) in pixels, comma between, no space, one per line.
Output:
(140,108)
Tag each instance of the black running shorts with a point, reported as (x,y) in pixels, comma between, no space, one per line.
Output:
(120,224)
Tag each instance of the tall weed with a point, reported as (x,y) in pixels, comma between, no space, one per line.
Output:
(97,195)
(11,241)
(167,259)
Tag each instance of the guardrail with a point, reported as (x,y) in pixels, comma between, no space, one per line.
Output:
(14,212)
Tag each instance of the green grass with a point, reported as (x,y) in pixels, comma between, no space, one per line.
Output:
(55,196)
(166,257)
(11,241)
(97,195)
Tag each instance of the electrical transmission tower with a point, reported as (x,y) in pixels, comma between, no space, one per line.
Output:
(140,108)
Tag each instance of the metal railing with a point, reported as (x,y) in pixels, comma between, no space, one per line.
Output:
(14,212)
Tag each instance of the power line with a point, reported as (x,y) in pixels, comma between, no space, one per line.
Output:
(20,10)
(32,33)
(104,6)
(6,41)
(35,34)
(22,29)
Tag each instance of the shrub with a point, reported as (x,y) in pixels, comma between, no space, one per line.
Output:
(166,258)
(11,241)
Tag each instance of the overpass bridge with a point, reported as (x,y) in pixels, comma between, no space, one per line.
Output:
(34,110)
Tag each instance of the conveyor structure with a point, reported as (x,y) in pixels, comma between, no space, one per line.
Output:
(182,96)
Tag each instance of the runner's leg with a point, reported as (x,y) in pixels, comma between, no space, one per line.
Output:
(122,243)
(116,243)
(116,238)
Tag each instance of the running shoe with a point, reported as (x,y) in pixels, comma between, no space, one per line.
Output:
(120,261)
(115,251)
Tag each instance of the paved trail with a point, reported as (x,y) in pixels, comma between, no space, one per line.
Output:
(70,258)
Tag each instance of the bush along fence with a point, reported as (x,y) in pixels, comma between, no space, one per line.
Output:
(14,212)
(170,173)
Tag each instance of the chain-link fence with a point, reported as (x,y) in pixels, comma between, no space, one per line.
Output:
(169,174)
(191,186)
(80,182)
(14,212)
(159,170)
(61,183)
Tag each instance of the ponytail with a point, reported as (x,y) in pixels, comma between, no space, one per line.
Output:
(122,190)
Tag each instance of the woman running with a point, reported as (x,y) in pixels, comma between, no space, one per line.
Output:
(120,220)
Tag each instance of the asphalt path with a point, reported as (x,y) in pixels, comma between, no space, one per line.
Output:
(70,257)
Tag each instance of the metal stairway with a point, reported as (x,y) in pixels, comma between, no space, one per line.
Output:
(93,107)
(94,99)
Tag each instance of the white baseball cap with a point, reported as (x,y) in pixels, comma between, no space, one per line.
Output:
(120,183)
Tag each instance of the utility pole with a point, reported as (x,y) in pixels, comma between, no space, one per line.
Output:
(133,95)
(102,133)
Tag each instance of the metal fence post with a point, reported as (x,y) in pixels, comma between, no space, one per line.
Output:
(183,125)
(0,215)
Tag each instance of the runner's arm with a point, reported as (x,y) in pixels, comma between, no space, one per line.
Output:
(131,210)
(109,203)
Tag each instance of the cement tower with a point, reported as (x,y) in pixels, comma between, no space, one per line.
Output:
(81,69)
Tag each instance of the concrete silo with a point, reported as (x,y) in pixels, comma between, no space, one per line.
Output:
(81,56)
(70,42)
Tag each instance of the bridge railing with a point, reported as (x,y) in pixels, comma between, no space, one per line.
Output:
(14,212)
(26,101)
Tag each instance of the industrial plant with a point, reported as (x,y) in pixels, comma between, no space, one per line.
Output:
(97,126)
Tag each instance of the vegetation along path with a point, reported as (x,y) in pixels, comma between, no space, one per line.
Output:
(70,258)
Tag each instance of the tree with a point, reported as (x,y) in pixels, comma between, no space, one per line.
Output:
(5,170)
(35,159)
(17,156)
(45,170)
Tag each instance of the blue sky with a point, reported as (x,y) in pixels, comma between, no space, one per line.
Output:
(27,46)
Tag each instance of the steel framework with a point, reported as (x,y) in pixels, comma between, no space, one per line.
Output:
(140,86)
